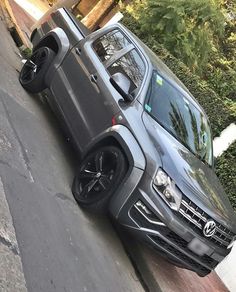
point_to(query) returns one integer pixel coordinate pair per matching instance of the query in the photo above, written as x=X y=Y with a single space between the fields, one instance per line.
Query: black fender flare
x=137 y=163
x=63 y=47
x=126 y=140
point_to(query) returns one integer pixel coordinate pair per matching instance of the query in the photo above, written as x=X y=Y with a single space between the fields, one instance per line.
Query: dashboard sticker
x=148 y=108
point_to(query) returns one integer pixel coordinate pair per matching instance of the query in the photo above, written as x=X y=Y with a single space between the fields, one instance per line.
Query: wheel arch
x=48 y=41
x=58 y=41
x=121 y=137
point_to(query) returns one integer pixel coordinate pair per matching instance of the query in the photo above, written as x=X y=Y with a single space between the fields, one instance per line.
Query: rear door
x=89 y=101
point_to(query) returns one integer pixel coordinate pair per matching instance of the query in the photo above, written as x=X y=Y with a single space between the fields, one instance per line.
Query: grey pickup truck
x=144 y=141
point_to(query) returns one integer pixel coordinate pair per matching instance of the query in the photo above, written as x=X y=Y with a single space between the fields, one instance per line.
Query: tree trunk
x=100 y=10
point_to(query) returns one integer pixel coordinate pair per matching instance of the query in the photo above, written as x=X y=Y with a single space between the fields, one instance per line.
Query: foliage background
x=197 y=41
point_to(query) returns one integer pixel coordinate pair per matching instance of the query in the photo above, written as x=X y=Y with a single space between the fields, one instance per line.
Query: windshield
x=179 y=117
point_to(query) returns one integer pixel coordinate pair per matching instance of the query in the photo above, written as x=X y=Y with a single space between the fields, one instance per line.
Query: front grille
x=173 y=237
x=197 y=218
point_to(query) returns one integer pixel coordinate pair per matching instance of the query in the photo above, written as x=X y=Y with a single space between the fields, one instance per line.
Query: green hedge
x=226 y=171
x=218 y=110
x=221 y=78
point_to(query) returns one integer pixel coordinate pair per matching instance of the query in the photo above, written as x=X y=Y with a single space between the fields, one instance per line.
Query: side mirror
x=122 y=85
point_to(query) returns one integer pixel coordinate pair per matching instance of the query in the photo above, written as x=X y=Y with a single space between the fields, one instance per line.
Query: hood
x=196 y=180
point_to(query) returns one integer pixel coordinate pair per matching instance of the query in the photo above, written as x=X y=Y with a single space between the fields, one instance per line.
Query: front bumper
x=165 y=231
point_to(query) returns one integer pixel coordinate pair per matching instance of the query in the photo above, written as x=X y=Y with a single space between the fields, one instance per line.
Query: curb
x=139 y=256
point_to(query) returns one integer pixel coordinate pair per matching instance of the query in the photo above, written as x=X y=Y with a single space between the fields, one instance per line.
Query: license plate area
x=198 y=247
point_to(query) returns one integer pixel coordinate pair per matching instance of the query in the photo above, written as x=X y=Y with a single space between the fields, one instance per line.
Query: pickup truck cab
x=145 y=142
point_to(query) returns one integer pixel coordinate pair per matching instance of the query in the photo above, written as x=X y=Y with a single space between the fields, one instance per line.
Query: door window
x=132 y=66
x=110 y=43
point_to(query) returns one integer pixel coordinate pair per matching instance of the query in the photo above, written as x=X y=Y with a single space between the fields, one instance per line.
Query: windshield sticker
x=148 y=108
x=159 y=80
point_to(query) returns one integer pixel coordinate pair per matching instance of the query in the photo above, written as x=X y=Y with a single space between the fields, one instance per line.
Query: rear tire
x=98 y=177
x=32 y=75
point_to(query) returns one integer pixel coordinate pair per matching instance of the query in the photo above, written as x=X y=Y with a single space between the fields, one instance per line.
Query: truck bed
x=63 y=19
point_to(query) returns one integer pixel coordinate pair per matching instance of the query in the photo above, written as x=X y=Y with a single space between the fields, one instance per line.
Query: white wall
x=226 y=270
x=227 y=137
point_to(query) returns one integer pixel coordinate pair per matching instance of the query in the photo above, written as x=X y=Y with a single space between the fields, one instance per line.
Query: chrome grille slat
x=196 y=216
x=220 y=240
x=191 y=219
x=224 y=233
x=193 y=211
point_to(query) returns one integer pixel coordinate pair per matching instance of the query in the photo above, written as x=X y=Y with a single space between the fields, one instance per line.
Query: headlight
x=161 y=179
x=166 y=187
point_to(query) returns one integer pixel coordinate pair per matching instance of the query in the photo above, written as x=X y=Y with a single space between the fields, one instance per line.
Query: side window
x=109 y=44
x=133 y=67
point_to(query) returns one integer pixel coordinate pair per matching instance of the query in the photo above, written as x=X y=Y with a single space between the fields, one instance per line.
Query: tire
x=204 y=274
x=98 y=177
x=32 y=75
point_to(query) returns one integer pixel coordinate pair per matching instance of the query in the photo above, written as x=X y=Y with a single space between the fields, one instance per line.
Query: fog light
x=140 y=205
x=147 y=214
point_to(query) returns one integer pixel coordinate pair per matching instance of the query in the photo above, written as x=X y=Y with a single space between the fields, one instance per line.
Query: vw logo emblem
x=209 y=228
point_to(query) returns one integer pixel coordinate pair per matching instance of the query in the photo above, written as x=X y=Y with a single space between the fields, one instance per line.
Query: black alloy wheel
x=98 y=177
x=32 y=75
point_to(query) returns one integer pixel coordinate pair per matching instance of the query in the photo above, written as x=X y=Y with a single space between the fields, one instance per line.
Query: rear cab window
x=118 y=54
x=110 y=43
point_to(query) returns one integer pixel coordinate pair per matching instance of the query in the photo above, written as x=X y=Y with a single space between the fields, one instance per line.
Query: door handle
x=93 y=78
x=78 y=51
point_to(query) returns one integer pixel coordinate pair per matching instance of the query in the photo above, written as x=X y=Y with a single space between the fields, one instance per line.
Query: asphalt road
x=62 y=248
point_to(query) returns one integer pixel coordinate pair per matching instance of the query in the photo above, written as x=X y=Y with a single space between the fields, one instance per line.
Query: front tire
x=32 y=75
x=98 y=177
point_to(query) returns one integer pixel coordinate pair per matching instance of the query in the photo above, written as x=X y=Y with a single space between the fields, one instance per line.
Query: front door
x=88 y=100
